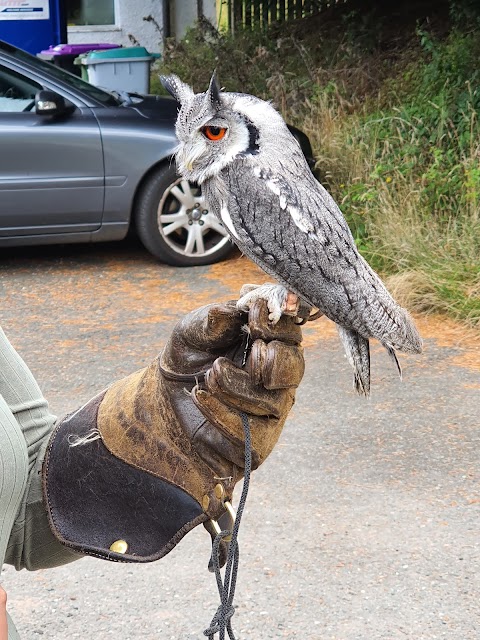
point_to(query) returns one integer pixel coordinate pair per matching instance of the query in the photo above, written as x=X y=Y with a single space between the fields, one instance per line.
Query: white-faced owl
x=257 y=181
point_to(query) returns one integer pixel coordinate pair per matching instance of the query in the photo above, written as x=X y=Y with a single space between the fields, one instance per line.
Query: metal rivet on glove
x=119 y=546
x=219 y=491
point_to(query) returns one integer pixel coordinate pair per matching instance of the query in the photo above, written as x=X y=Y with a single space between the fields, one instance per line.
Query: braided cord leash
x=221 y=621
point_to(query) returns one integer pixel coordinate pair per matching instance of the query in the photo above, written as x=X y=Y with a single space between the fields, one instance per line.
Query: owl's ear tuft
x=213 y=93
x=176 y=88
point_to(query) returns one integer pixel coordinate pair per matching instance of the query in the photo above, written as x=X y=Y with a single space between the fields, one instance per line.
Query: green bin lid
x=121 y=52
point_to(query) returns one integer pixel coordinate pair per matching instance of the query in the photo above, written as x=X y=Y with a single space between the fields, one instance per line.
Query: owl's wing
x=291 y=226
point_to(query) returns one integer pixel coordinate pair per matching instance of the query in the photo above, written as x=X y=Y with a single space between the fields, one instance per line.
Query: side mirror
x=49 y=103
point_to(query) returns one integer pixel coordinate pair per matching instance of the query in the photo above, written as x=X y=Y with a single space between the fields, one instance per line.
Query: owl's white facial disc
x=212 y=144
x=235 y=122
x=210 y=131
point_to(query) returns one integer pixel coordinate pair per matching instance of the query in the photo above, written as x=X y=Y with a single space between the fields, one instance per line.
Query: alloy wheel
x=186 y=222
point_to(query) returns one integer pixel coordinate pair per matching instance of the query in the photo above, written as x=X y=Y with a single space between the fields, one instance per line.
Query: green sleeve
x=25 y=426
x=32 y=545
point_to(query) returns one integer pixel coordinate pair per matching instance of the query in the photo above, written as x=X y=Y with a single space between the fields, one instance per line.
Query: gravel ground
x=362 y=525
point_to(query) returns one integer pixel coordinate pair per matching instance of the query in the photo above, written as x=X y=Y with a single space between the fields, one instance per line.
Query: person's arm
x=26 y=424
x=152 y=453
x=3 y=615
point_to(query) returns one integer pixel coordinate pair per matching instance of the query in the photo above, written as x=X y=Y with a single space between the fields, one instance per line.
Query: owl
x=257 y=181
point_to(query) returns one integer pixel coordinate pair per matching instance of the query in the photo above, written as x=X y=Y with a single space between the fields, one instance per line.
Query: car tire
x=175 y=224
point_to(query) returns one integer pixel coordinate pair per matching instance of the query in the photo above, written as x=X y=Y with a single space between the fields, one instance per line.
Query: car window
x=104 y=97
x=17 y=93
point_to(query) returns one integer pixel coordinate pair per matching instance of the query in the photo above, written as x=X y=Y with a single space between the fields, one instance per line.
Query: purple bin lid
x=77 y=49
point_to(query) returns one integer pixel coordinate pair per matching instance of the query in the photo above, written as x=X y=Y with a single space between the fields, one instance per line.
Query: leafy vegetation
x=393 y=113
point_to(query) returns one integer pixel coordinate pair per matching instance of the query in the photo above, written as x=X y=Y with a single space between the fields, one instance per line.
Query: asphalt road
x=364 y=523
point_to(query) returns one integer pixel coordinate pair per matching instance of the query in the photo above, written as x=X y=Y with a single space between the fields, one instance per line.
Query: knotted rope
x=221 y=621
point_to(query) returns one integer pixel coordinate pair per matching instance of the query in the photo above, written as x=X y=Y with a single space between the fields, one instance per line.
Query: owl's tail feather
x=379 y=315
x=357 y=350
x=393 y=357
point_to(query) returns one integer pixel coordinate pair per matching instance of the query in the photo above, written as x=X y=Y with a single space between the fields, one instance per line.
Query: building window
x=90 y=12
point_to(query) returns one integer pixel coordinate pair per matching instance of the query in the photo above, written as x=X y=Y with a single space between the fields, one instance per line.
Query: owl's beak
x=184 y=160
x=189 y=160
x=188 y=156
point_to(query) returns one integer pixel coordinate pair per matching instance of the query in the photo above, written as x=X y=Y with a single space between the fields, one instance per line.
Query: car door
x=51 y=168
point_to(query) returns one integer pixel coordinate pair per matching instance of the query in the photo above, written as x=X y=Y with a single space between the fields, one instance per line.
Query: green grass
x=395 y=129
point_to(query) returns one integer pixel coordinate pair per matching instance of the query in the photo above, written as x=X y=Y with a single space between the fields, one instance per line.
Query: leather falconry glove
x=127 y=475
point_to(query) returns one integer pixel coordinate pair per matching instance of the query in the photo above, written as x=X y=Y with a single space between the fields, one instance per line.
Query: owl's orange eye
x=214 y=133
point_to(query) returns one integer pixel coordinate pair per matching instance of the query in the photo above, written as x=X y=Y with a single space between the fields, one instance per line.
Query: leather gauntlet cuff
x=94 y=499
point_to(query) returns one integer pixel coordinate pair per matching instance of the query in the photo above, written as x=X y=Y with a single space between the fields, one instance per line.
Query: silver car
x=80 y=164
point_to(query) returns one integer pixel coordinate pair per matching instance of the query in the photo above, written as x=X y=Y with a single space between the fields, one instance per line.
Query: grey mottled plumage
x=256 y=179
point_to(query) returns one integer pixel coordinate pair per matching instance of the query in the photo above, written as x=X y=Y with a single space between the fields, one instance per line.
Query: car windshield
x=100 y=95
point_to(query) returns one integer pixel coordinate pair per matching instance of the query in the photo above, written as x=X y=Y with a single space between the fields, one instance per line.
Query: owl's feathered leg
x=278 y=298
x=357 y=349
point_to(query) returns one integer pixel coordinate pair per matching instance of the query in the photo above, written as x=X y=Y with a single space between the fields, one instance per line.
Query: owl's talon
x=279 y=300
x=274 y=317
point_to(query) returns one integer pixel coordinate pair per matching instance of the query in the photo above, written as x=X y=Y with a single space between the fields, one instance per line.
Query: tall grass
x=406 y=172
x=397 y=140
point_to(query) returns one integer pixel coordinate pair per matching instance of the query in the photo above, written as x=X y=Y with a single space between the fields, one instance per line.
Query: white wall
x=129 y=16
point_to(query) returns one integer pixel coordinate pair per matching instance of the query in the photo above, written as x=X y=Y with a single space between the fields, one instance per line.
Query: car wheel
x=175 y=223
